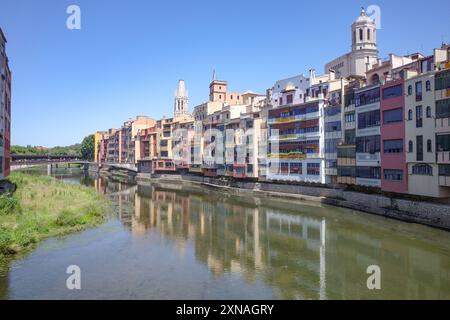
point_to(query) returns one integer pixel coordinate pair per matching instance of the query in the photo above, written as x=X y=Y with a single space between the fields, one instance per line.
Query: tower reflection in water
x=301 y=250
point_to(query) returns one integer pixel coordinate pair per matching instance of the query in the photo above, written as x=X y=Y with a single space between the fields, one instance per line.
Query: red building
x=394 y=170
x=5 y=110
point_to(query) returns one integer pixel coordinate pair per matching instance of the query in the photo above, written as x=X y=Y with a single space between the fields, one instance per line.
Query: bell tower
x=181 y=105
x=364 y=33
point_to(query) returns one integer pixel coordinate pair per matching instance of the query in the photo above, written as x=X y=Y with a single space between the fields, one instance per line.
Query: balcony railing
x=443 y=157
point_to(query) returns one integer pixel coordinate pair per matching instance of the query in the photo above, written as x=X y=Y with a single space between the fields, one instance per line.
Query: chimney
x=332 y=74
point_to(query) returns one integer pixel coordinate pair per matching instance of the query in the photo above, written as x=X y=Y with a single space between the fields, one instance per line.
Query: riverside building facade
x=381 y=124
x=5 y=110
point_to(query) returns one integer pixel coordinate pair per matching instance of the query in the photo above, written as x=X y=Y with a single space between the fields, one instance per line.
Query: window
x=419 y=151
x=428 y=112
x=368 y=34
x=369 y=119
x=333 y=126
x=393 y=92
x=393 y=174
x=284 y=167
x=429 y=146
x=442 y=80
x=422 y=169
x=331 y=145
x=369 y=144
x=443 y=142
x=443 y=108
x=368 y=172
x=428 y=85
x=409 y=90
x=281 y=101
x=419 y=117
x=350 y=117
x=410 y=146
x=419 y=91
x=296 y=168
x=350 y=136
x=390 y=116
x=346 y=171
x=360 y=34
x=367 y=97
x=289 y=98
x=393 y=146
x=313 y=169
x=410 y=115
x=444 y=170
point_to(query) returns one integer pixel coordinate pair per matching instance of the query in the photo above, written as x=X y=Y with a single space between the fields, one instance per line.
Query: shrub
x=8 y=204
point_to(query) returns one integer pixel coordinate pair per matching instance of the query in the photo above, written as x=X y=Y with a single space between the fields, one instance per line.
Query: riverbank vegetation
x=74 y=150
x=44 y=207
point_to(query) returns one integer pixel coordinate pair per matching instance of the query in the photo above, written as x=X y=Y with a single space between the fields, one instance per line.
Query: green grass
x=44 y=207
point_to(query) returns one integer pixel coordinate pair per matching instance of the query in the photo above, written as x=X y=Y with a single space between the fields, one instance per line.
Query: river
x=174 y=241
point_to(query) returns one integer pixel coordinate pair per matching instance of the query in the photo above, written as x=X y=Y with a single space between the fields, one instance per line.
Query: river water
x=174 y=241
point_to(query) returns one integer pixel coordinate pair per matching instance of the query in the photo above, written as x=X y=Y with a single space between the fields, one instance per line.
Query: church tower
x=364 y=33
x=364 y=52
x=181 y=106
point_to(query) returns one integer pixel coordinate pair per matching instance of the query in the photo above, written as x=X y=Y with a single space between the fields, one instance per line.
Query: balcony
x=368 y=182
x=307 y=116
x=444 y=181
x=287 y=156
x=295 y=136
x=443 y=157
x=442 y=125
x=350 y=125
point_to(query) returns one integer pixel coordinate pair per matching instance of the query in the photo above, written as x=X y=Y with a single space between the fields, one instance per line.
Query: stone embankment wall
x=427 y=213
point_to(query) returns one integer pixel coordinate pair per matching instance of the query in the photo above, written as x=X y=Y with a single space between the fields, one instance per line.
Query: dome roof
x=363 y=18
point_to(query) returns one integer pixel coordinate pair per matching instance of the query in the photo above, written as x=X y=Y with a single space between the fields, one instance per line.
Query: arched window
x=375 y=79
x=410 y=146
x=428 y=112
x=409 y=90
x=428 y=85
x=429 y=147
x=410 y=115
x=360 y=34
x=368 y=34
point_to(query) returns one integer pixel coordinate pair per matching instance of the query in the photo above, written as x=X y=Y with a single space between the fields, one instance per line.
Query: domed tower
x=364 y=33
x=364 y=53
x=181 y=106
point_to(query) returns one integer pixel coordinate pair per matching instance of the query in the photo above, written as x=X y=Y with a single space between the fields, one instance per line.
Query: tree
x=87 y=148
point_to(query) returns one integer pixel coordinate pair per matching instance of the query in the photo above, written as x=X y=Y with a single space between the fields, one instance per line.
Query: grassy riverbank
x=44 y=207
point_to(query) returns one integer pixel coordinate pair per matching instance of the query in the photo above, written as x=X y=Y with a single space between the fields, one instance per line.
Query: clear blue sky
x=128 y=56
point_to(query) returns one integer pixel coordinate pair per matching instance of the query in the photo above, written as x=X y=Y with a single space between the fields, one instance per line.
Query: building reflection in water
x=303 y=251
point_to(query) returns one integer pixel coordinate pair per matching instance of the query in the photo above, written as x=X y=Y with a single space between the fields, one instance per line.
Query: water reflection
x=184 y=241
x=301 y=250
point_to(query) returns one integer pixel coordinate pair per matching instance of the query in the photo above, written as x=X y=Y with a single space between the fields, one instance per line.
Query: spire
x=214 y=75
x=181 y=104
x=181 y=90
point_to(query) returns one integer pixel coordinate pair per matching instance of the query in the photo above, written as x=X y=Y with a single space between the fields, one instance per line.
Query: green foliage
x=74 y=150
x=87 y=148
x=8 y=204
x=43 y=207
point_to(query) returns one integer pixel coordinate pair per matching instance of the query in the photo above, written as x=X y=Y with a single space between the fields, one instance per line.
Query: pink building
x=394 y=172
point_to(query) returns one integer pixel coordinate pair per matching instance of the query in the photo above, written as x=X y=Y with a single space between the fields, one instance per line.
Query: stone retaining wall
x=431 y=214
